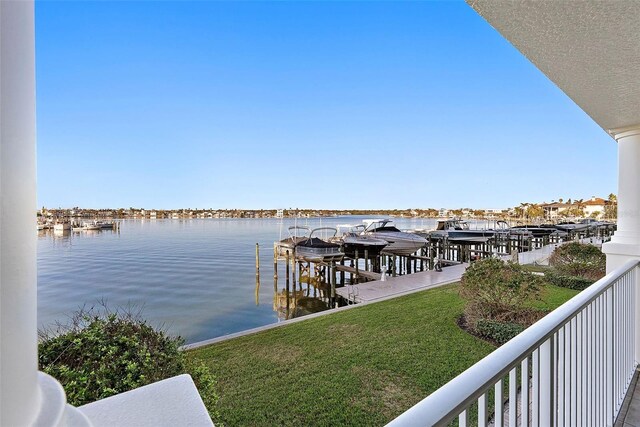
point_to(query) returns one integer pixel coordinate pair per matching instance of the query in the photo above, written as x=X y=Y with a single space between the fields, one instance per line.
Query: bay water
x=194 y=277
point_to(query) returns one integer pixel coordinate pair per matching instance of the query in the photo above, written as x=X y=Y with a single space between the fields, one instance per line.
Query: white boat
x=458 y=230
x=570 y=226
x=86 y=226
x=400 y=242
x=62 y=226
x=105 y=224
x=354 y=242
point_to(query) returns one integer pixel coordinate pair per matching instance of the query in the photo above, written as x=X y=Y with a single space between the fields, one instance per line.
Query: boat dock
x=399 y=285
x=369 y=275
x=395 y=286
x=359 y=279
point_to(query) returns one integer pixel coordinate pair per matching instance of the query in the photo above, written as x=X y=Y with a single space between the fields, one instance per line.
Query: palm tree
x=611 y=207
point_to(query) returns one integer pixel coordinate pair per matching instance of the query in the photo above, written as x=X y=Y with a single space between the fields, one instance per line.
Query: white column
x=19 y=390
x=625 y=244
x=27 y=397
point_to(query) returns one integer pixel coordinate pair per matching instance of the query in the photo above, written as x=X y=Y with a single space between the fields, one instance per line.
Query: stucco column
x=19 y=390
x=625 y=243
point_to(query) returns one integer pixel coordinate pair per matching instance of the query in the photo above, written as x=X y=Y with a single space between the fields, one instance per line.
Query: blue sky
x=279 y=104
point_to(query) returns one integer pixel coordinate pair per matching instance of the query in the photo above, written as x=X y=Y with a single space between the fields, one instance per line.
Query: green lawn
x=358 y=367
x=534 y=268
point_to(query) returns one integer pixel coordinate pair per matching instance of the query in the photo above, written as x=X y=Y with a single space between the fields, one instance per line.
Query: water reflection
x=195 y=277
x=296 y=303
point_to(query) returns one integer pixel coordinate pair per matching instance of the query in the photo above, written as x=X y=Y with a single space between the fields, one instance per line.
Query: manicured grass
x=554 y=297
x=534 y=268
x=358 y=367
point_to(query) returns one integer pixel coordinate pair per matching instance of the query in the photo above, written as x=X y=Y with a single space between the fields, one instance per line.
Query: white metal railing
x=573 y=367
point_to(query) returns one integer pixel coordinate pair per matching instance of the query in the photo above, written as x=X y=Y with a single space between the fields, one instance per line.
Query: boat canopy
x=379 y=225
x=323 y=230
x=350 y=229
x=299 y=231
x=452 y=224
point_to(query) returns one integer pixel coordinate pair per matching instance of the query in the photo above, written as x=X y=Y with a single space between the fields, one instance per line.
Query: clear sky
x=318 y=104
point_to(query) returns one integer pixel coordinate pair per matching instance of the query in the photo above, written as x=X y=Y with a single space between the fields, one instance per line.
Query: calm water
x=195 y=277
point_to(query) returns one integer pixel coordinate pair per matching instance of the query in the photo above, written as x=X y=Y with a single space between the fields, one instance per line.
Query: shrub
x=500 y=332
x=495 y=290
x=578 y=259
x=572 y=282
x=102 y=353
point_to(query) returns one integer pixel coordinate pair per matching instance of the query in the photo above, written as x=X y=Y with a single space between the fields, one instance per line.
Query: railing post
x=635 y=326
x=609 y=349
x=635 y=306
x=547 y=383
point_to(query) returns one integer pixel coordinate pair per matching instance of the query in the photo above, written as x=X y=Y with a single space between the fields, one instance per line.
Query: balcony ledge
x=171 y=402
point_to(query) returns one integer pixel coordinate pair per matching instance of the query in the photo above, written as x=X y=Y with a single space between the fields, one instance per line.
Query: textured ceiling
x=590 y=49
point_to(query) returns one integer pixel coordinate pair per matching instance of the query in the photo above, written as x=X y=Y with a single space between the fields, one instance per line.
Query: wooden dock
x=369 y=275
x=395 y=286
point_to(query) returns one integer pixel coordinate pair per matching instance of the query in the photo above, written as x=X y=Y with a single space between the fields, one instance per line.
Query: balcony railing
x=573 y=367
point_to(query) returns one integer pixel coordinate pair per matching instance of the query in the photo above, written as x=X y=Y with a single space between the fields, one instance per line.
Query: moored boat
x=297 y=233
x=457 y=230
x=85 y=226
x=62 y=226
x=537 y=230
x=570 y=226
x=105 y=225
x=315 y=249
x=364 y=245
x=400 y=242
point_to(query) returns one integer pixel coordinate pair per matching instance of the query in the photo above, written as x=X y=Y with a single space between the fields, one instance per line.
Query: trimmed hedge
x=500 y=332
x=578 y=259
x=498 y=290
x=571 y=282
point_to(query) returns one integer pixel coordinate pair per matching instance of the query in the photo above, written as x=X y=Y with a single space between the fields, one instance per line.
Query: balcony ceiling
x=589 y=49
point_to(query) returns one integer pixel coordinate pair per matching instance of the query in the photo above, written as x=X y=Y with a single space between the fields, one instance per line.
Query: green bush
x=500 y=332
x=580 y=260
x=102 y=353
x=496 y=290
x=572 y=282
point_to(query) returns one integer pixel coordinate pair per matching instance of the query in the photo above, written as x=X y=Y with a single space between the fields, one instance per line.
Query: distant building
x=492 y=213
x=594 y=207
x=553 y=210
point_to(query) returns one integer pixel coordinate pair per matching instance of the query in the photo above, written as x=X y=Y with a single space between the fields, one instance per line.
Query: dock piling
x=287 y=282
x=257 y=261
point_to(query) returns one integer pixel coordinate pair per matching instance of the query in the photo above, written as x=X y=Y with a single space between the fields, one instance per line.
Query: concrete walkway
x=395 y=286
